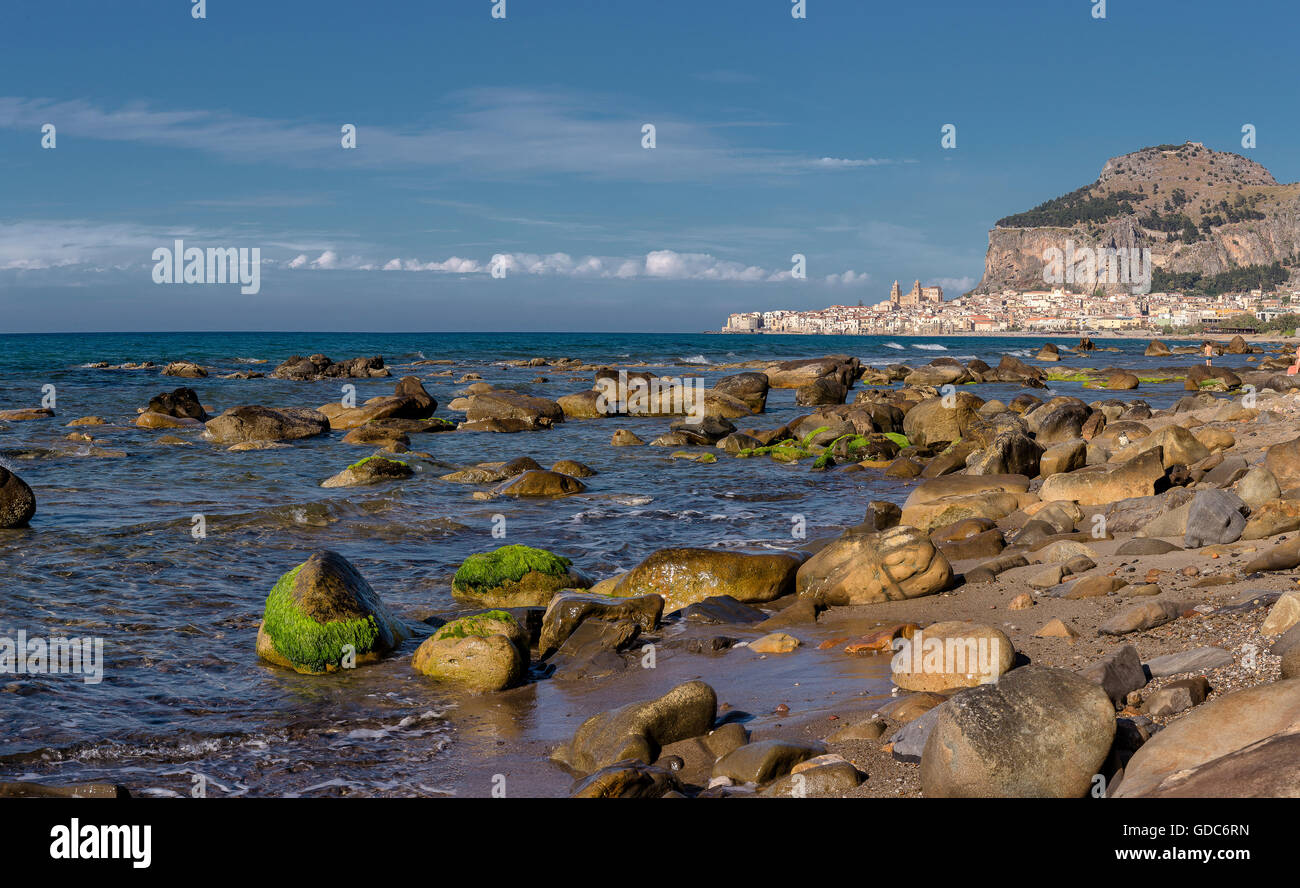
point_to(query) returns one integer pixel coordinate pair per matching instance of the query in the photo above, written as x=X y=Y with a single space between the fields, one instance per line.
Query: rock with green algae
x=515 y=576
x=323 y=615
x=371 y=470
x=483 y=652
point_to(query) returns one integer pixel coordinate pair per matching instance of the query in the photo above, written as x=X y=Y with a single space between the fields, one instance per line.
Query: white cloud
x=848 y=278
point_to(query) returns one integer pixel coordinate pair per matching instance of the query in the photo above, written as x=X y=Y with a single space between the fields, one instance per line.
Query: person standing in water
x=1208 y=351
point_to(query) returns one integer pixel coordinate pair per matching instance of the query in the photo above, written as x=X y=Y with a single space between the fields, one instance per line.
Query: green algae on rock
x=515 y=576
x=322 y=612
x=371 y=470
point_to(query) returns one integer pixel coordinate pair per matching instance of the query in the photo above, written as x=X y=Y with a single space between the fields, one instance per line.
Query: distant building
x=916 y=297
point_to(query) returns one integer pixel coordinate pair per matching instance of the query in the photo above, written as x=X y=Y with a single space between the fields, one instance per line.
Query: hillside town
x=924 y=311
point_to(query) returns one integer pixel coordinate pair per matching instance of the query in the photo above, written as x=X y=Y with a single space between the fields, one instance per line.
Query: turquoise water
x=110 y=554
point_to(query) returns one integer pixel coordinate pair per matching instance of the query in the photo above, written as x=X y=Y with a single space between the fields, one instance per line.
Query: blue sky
x=522 y=138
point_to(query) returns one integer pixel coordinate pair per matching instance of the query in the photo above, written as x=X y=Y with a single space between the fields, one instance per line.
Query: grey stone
x=1119 y=673
x=1196 y=660
x=1216 y=517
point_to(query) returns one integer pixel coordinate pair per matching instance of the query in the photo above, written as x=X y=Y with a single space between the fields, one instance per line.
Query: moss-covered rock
x=483 y=652
x=515 y=576
x=371 y=470
x=321 y=610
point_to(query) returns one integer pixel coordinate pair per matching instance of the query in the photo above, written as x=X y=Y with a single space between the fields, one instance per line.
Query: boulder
x=1100 y=485
x=1138 y=617
x=568 y=610
x=17 y=502
x=514 y=576
x=684 y=576
x=483 y=652
x=322 y=613
x=1272 y=518
x=181 y=403
x=1215 y=518
x=542 y=483
x=1209 y=738
x=255 y=423
x=1283 y=460
x=638 y=731
x=371 y=470
x=1039 y=732
x=1010 y=453
x=1119 y=673
x=185 y=369
x=500 y=410
x=765 y=760
x=933 y=420
x=866 y=567
x=299 y=368
x=750 y=387
x=951 y=654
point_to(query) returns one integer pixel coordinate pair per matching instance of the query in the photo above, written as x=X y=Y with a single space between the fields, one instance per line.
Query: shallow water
x=110 y=555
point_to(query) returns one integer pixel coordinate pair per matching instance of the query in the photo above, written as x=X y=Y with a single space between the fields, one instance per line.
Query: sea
x=184 y=707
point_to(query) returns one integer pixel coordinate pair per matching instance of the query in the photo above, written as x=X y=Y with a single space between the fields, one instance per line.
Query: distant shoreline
x=1019 y=334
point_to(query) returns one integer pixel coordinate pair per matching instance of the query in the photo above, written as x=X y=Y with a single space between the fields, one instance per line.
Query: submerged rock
x=371 y=470
x=17 y=502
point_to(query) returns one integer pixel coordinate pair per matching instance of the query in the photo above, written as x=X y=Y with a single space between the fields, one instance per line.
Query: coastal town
x=924 y=311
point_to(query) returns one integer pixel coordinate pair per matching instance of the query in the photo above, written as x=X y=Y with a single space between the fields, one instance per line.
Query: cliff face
x=1197 y=210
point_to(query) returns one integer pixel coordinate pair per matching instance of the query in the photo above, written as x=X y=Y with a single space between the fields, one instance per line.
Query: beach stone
x=931 y=421
x=765 y=760
x=1048 y=577
x=1283 y=461
x=1010 y=453
x=775 y=643
x=1257 y=487
x=638 y=730
x=149 y=420
x=25 y=414
x=750 y=387
x=952 y=654
x=255 y=423
x=1215 y=518
x=1119 y=673
x=908 y=742
x=1097 y=586
x=583 y=405
x=1147 y=546
x=863 y=567
x=829 y=779
x=983 y=545
x=481 y=653
x=684 y=576
x=1272 y=518
x=1101 y=485
x=1284 y=614
x=541 y=483
x=1285 y=556
x=1138 y=617
x=1199 y=659
x=867 y=729
x=1064 y=457
x=1177 y=446
x=988 y=571
x=1038 y=732
x=515 y=576
x=568 y=610
x=317 y=610
x=1177 y=696
x=17 y=502
x=627 y=780
x=371 y=470
x=299 y=368
x=1291 y=664
x=513 y=407
x=722 y=609
x=1231 y=725
x=1056 y=628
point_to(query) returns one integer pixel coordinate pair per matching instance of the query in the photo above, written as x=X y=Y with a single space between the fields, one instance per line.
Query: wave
x=695 y=359
x=894 y=345
x=931 y=346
